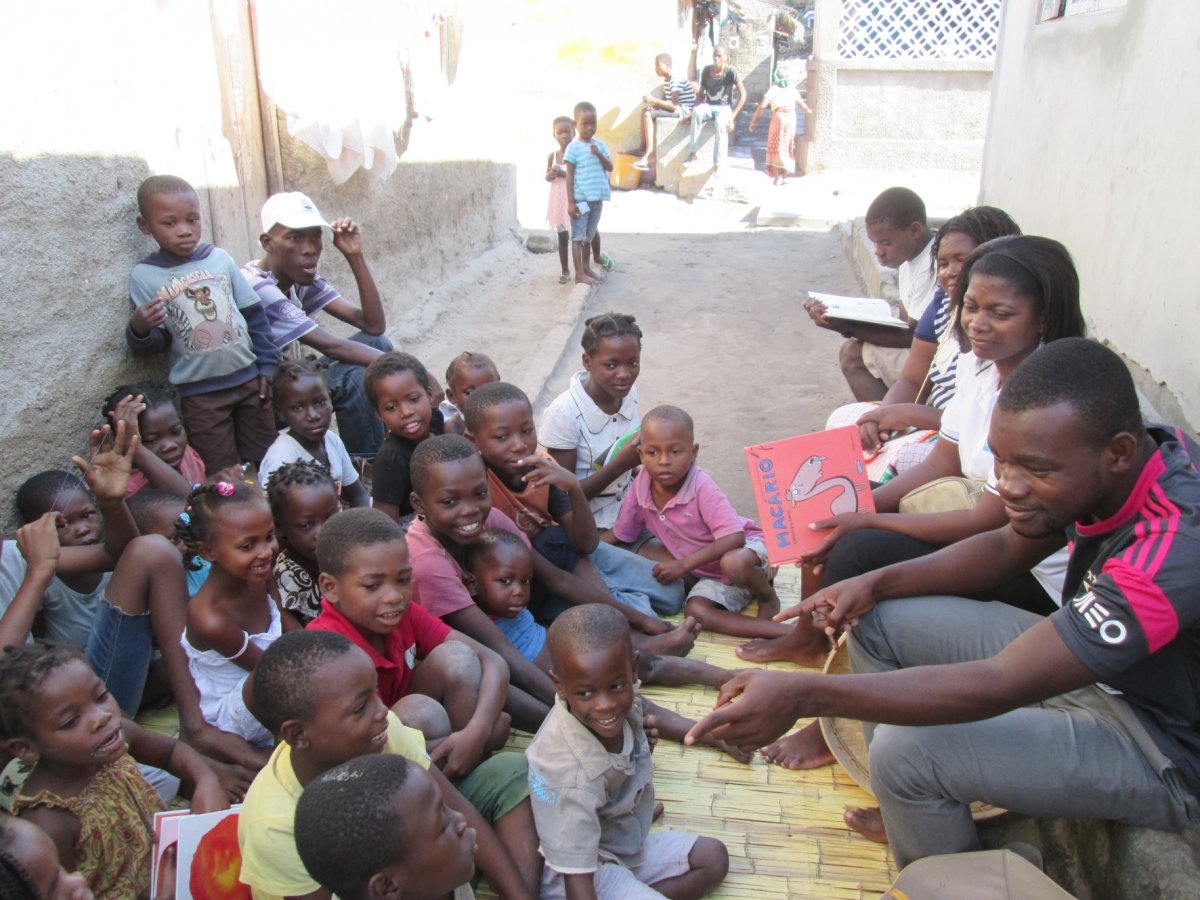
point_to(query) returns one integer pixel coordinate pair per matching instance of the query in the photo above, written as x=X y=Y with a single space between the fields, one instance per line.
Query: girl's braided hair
x=196 y=522
x=22 y=670
x=304 y=473
x=608 y=325
x=292 y=370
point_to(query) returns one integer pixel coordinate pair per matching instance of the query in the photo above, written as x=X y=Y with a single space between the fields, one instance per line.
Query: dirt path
x=725 y=335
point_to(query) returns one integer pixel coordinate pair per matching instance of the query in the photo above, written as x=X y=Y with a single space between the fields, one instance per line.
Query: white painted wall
x=1092 y=140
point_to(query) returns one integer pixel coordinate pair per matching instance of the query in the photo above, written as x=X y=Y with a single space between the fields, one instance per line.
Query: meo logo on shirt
x=1099 y=617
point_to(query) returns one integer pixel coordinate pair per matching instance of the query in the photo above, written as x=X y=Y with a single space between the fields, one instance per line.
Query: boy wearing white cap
x=292 y=291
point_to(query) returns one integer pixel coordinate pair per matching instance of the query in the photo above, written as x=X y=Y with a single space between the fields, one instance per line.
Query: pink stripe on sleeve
x=1154 y=612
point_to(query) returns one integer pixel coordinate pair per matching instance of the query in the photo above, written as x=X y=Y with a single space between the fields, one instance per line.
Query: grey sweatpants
x=1080 y=755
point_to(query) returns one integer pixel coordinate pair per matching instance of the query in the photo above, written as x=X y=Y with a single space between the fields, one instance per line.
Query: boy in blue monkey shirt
x=190 y=298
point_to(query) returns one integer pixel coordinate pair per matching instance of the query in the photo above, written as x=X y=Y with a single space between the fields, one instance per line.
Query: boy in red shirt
x=366 y=581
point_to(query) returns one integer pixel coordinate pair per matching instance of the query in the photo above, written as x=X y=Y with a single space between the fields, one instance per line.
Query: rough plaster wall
x=1092 y=141
x=420 y=227
x=896 y=118
x=64 y=302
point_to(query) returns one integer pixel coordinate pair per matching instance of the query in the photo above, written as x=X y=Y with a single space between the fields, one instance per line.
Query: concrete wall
x=893 y=114
x=105 y=114
x=97 y=97
x=1090 y=141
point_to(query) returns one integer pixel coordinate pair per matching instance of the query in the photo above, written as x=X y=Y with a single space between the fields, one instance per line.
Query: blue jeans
x=118 y=651
x=721 y=116
x=359 y=428
x=631 y=580
x=585 y=227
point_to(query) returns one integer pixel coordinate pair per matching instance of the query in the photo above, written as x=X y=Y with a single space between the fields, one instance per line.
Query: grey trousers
x=1082 y=755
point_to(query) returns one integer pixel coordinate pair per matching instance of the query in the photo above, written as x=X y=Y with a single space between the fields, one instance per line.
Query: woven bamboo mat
x=784 y=829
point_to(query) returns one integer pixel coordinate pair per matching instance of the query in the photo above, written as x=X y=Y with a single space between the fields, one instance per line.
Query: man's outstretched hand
x=754 y=708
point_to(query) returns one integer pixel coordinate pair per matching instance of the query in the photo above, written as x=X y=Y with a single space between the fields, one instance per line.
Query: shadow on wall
x=420 y=226
x=70 y=238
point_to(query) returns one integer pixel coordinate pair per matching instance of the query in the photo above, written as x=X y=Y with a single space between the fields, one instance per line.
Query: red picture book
x=802 y=480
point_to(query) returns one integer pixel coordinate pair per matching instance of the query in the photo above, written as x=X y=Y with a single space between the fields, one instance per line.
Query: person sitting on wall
x=678 y=98
x=1092 y=712
x=292 y=290
x=873 y=356
x=718 y=83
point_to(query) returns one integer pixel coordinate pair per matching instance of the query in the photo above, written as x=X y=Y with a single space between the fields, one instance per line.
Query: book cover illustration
x=208 y=860
x=802 y=480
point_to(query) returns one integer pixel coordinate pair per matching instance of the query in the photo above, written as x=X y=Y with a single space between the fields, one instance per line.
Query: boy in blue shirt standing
x=588 y=164
x=190 y=298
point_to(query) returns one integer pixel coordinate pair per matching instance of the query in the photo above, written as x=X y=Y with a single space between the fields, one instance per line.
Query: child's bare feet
x=676 y=642
x=867 y=821
x=584 y=278
x=803 y=645
x=234 y=779
x=768 y=607
x=805 y=749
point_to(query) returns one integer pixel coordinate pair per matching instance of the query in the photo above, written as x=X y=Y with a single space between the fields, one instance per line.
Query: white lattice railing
x=919 y=29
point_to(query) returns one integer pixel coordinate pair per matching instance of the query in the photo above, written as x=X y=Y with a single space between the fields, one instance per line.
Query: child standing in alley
x=557 y=213
x=191 y=299
x=588 y=163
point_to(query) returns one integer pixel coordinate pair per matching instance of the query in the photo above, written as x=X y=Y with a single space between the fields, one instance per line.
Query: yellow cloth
x=116 y=828
x=266 y=832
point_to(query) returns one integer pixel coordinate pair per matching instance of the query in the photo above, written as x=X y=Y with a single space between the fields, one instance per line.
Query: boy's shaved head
x=349 y=825
x=433 y=451
x=487 y=396
x=672 y=414
x=349 y=530
x=157 y=185
x=287 y=679
x=586 y=629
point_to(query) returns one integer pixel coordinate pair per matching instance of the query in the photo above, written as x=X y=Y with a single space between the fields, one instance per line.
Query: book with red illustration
x=208 y=860
x=801 y=480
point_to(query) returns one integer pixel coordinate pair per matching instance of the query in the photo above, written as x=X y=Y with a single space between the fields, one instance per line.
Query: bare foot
x=806 y=749
x=867 y=821
x=768 y=607
x=591 y=273
x=234 y=779
x=586 y=279
x=804 y=646
x=677 y=641
x=740 y=755
x=659 y=809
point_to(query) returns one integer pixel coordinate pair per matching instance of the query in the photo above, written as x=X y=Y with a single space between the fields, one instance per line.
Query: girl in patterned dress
x=86 y=791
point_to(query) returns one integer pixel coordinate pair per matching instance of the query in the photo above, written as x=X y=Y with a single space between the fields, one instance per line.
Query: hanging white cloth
x=337 y=71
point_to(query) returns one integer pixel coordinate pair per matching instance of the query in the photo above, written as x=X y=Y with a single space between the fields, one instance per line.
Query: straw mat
x=784 y=829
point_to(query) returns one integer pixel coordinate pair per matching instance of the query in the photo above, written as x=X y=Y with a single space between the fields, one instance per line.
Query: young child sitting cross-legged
x=424 y=848
x=703 y=536
x=317 y=691
x=367 y=582
x=592 y=778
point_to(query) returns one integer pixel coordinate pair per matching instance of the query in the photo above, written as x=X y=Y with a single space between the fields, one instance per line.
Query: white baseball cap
x=292 y=210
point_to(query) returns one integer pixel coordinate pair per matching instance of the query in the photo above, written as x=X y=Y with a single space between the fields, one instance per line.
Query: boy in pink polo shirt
x=719 y=554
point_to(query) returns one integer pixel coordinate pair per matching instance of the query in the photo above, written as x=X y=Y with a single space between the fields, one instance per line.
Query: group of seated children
x=303 y=622
x=222 y=548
